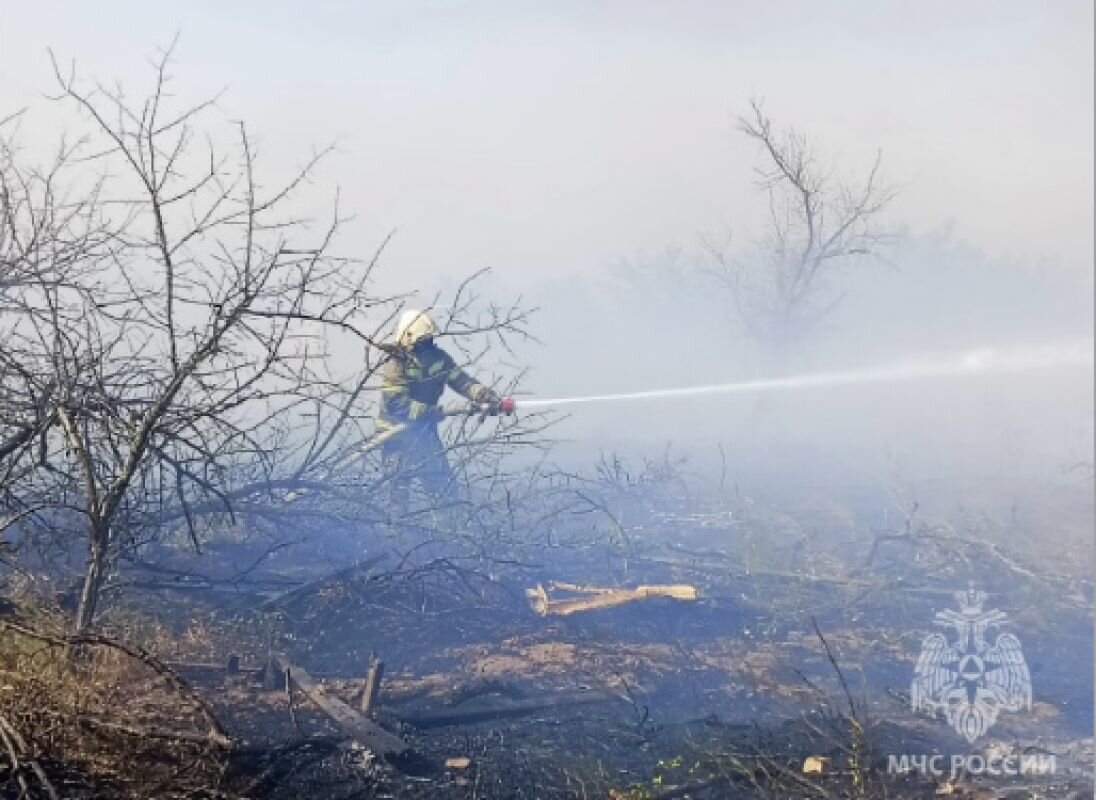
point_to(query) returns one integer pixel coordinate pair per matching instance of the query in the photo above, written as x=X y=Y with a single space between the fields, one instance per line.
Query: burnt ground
x=802 y=652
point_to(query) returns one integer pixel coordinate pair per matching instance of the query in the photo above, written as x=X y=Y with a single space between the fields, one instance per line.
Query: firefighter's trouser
x=417 y=454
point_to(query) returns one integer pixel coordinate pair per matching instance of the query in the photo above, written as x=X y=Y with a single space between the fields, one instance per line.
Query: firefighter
x=414 y=379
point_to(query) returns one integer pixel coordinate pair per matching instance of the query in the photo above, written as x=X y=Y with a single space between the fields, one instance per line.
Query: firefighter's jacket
x=413 y=382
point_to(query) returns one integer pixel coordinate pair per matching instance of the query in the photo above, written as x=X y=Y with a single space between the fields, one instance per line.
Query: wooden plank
x=595 y=597
x=364 y=731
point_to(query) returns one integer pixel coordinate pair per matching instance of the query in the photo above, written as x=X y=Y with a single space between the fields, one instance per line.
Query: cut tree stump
x=597 y=597
x=359 y=728
x=372 y=684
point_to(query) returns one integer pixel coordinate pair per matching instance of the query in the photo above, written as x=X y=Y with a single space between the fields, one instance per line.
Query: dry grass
x=92 y=715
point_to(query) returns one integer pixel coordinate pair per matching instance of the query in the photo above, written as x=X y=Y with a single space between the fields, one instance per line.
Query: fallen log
x=337 y=576
x=597 y=597
x=474 y=712
x=206 y=669
x=355 y=725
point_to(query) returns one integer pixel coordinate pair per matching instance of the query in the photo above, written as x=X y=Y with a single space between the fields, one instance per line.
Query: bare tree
x=182 y=351
x=50 y=243
x=169 y=356
x=817 y=224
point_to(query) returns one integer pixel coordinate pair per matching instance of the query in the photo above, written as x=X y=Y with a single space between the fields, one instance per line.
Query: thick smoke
x=668 y=324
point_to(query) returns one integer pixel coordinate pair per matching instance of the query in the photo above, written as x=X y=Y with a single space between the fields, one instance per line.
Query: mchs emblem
x=966 y=676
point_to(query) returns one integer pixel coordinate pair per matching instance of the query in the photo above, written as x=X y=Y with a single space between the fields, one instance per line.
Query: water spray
x=983 y=361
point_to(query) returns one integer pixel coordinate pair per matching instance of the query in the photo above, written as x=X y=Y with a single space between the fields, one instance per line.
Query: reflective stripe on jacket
x=412 y=383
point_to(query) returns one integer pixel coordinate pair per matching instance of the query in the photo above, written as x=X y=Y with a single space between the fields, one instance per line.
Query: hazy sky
x=553 y=137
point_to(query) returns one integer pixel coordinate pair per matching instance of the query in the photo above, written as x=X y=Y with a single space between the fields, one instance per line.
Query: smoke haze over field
x=754 y=389
x=660 y=329
x=582 y=151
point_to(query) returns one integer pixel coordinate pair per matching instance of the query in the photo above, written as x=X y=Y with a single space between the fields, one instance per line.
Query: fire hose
x=505 y=406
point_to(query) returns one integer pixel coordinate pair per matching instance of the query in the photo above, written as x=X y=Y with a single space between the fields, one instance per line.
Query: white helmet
x=415 y=326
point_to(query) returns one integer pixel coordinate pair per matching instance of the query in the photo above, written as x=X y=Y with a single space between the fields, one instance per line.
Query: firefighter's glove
x=489 y=401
